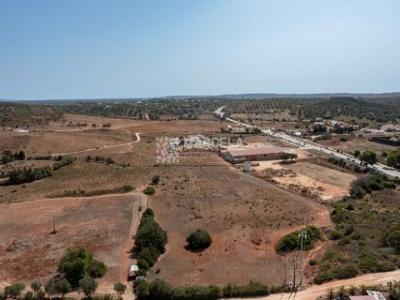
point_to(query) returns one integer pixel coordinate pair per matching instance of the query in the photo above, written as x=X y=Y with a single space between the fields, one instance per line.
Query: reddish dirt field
x=101 y=224
x=245 y=216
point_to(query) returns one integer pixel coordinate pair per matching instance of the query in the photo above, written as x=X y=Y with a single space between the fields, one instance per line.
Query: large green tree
x=78 y=262
x=199 y=240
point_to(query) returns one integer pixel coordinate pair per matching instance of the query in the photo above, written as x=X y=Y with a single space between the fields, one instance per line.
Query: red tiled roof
x=256 y=151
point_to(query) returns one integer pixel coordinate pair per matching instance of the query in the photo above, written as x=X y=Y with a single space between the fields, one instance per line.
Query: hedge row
x=28 y=175
x=150 y=241
x=160 y=290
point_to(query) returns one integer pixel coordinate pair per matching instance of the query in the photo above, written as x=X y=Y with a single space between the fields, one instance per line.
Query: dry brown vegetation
x=29 y=251
x=245 y=215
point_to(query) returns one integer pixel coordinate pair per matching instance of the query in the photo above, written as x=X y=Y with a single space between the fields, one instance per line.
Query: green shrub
x=333 y=256
x=323 y=276
x=97 y=269
x=348 y=229
x=368 y=156
x=14 y=290
x=292 y=241
x=158 y=289
x=393 y=159
x=155 y=180
x=87 y=285
x=62 y=162
x=252 y=289
x=28 y=175
x=393 y=240
x=347 y=271
x=149 y=190
x=369 y=183
x=198 y=240
x=340 y=215
x=312 y=262
x=142 y=290
x=62 y=286
x=335 y=235
x=344 y=241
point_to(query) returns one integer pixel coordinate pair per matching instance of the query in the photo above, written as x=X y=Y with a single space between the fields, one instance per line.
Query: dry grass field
x=80 y=175
x=101 y=224
x=307 y=178
x=245 y=216
x=360 y=144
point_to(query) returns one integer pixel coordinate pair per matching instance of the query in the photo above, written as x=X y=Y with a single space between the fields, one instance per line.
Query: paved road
x=306 y=144
x=316 y=291
x=219 y=111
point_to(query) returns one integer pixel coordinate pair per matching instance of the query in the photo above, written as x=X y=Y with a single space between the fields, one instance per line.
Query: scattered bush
x=198 y=240
x=393 y=159
x=13 y=291
x=369 y=183
x=63 y=161
x=368 y=156
x=100 y=159
x=149 y=190
x=8 y=156
x=312 y=262
x=120 y=289
x=82 y=193
x=346 y=271
x=28 y=175
x=393 y=240
x=155 y=180
x=335 y=235
x=88 y=285
x=62 y=286
x=323 y=277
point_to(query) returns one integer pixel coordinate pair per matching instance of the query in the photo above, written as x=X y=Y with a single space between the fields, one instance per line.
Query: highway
x=306 y=144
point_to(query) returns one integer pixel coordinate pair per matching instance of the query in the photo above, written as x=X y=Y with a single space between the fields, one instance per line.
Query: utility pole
x=285 y=279
x=54 y=231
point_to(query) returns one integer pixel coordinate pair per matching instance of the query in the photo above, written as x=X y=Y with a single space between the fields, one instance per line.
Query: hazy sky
x=84 y=49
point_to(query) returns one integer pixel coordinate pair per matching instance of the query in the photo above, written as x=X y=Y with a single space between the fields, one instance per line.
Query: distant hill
x=394 y=96
x=379 y=109
x=24 y=115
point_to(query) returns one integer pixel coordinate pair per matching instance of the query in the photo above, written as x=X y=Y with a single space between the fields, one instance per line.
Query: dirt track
x=106 y=286
x=317 y=291
x=137 y=134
